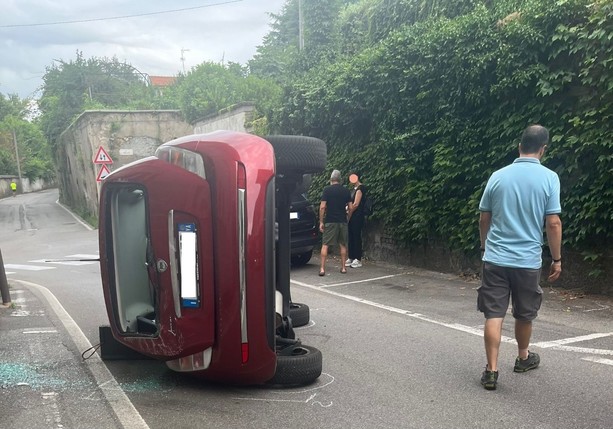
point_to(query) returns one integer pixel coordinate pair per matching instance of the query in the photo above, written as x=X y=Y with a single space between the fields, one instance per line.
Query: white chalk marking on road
x=331 y=380
x=362 y=281
x=599 y=360
x=549 y=344
x=124 y=410
x=555 y=345
x=309 y=325
x=602 y=307
x=296 y=401
x=27 y=267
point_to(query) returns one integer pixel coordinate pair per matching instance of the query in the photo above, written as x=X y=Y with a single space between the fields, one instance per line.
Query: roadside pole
x=4 y=285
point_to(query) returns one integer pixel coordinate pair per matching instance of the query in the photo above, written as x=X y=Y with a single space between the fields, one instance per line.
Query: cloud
x=152 y=43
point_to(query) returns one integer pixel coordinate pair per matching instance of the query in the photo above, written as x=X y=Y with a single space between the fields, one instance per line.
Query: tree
x=71 y=87
x=34 y=155
x=210 y=87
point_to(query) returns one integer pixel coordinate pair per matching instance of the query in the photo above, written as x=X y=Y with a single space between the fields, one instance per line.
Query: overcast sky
x=210 y=30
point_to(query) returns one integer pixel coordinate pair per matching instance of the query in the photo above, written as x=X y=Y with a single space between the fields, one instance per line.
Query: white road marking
x=84 y=256
x=27 y=267
x=42 y=331
x=599 y=360
x=66 y=262
x=70 y=260
x=584 y=350
x=78 y=219
x=555 y=345
x=362 y=281
x=548 y=344
x=124 y=410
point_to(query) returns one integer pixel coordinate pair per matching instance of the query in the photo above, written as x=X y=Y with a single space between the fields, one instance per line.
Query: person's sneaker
x=356 y=263
x=489 y=379
x=531 y=362
x=348 y=262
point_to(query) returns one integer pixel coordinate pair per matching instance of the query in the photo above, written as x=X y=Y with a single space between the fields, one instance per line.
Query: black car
x=304 y=231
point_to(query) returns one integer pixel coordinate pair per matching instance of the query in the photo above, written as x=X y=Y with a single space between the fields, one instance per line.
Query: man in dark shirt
x=335 y=202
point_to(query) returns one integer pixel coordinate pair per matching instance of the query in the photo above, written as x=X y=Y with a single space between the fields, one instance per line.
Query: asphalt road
x=402 y=348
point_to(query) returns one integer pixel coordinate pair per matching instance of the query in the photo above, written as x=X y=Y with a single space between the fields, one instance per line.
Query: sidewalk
x=44 y=382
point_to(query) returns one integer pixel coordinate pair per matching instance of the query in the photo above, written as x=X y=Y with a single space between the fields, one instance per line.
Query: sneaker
x=531 y=362
x=356 y=263
x=348 y=262
x=489 y=379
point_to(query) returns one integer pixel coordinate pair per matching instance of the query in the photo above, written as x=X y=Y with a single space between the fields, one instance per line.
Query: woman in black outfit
x=356 y=222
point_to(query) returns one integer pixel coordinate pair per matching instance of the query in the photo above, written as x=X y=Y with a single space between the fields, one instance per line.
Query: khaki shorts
x=335 y=233
x=498 y=284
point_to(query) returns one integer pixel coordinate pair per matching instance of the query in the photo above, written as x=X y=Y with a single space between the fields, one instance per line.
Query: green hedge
x=429 y=112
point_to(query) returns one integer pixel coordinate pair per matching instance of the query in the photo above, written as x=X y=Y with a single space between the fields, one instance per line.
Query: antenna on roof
x=183 y=50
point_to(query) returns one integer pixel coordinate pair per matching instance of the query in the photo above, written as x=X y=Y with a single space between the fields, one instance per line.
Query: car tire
x=301 y=259
x=302 y=367
x=300 y=314
x=299 y=154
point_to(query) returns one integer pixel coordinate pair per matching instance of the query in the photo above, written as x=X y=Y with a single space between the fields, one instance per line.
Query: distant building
x=160 y=82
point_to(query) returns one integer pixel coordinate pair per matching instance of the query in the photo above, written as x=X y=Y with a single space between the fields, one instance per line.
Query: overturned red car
x=195 y=256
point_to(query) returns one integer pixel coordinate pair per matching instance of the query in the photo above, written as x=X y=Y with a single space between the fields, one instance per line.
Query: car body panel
x=231 y=324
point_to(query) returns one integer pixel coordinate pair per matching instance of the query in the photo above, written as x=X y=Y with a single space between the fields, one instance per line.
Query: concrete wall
x=234 y=118
x=24 y=187
x=435 y=255
x=125 y=135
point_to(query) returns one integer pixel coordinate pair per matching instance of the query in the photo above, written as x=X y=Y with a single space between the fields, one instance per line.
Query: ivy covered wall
x=428 y=106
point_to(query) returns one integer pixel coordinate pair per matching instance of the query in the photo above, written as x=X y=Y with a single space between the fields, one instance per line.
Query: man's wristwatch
x=554 y=261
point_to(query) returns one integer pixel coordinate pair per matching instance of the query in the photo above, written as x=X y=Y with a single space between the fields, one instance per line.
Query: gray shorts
x=335 y=233
x=500 y=283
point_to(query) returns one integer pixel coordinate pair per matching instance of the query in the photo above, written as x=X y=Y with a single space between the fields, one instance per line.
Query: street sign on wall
x=104 y=171
x=102 y=157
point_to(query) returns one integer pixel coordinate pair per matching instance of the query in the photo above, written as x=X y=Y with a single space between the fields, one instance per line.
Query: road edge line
x=127 y=415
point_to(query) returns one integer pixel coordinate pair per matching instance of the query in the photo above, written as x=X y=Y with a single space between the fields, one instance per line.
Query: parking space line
x=27 y=267
x=584 y=350
x=555 y=345
x=599 y=360
x=455 y=326
x=548 y=344
x=362 y=281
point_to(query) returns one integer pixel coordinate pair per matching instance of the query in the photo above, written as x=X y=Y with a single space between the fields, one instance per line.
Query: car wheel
x=299 y=313
x=302 y=258
x=299 y=154
x=302 y=366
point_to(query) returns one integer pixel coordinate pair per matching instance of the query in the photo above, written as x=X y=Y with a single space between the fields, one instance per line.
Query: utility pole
x=183 y=50
x=17 y=158
x=4 y=285
x=300 y=26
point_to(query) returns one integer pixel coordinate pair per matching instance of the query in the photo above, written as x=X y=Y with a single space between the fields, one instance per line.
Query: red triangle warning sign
x=104 y=171
x=102 y=157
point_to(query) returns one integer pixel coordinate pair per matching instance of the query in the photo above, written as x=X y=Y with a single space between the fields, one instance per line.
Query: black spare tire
x=299 y=154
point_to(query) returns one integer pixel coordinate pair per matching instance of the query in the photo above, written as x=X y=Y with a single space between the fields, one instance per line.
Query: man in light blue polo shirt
x=518 y=200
